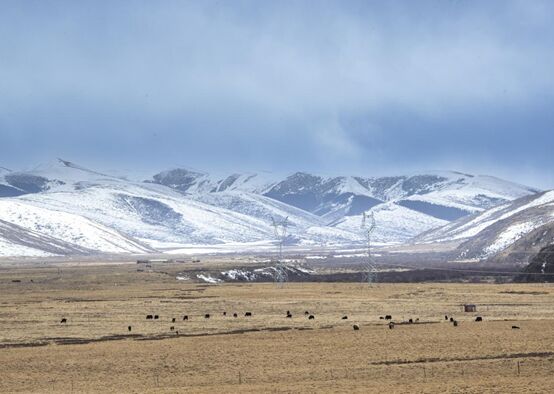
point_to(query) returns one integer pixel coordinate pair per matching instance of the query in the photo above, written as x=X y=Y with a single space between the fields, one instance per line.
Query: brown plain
x=94 y=352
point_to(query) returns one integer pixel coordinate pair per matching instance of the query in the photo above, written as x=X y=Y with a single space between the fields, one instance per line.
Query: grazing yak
x=186 y=317
x=156 y=317
x=207 y=316
x=248 y=314
x=149 y=317
x=235 y=315
x=129 y=328
x=172 y=328
x=344 y=317
x=478 y=318
x=388 y=317
x=311 y=317
x=356 y=327
x=64 y=320
x=515 y=328
x=391 y=325
x=224 y=313
x=455 y=323
x=289 y=316
x=173 y=320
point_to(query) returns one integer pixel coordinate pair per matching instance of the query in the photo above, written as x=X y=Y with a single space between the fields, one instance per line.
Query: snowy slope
x=69 y=228
x=260 y=206
x=394 y=223
x=302 y=225
x=494 y=230
x=18 y=241
x=469 y=194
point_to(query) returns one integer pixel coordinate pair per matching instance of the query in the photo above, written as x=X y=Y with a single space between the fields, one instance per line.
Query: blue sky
x=367 y=88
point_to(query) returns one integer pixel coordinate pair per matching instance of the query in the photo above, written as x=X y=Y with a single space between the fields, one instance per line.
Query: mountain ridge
x=185 y=207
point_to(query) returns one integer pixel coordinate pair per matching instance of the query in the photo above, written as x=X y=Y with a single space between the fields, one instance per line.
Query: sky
x=332 y=87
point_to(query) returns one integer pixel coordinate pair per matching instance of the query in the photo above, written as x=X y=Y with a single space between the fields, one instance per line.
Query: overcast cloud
x=331 y=87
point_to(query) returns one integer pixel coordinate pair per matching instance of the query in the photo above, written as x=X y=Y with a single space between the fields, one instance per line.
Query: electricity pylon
x=280 y=228
x=370 y=269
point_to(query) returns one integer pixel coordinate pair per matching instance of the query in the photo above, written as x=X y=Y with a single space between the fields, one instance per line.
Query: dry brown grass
x=320 y=355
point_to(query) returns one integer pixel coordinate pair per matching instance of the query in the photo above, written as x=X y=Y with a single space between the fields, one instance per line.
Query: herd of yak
x=310 y=316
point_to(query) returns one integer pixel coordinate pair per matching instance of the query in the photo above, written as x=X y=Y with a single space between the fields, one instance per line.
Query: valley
x=94 y=351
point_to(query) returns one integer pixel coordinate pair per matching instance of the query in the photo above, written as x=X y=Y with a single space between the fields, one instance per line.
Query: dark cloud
x=365 y=87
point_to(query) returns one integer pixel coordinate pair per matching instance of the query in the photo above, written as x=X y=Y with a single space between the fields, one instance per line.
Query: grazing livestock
x=207 y=316
x=186 y=317
x=306 y=313
x=411 y=321
x=172 y=328
x=64 y=320
x=515 y=328
x=355 y=327
x=224 y=313
x=451 y=319
x=248 y=314
x=388 y=317
x=173 y=320
x=235 y=315
x=289 y=316
x=381 y=317
x=445 y=317
x=391 y=325
x=344 y=317
x=156 y=317
x=478 y=318
x=311 y=317
x=149 y=317
x=455 y=323
x=129 y=328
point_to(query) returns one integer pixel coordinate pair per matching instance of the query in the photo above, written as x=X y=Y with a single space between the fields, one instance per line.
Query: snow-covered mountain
x=80 y=207
x=88 y=211
x=443 y=195
x=486 y=234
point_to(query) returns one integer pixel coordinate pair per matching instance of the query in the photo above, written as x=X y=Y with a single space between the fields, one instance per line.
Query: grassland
x=95 y=352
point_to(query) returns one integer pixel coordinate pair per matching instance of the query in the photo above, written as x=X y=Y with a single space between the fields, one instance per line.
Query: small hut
x=470 y=308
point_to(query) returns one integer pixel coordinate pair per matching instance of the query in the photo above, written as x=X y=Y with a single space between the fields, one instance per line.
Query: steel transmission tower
x=370 y=269
x=280 y=228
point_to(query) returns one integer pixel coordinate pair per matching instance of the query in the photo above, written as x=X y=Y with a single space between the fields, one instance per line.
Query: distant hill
x=497 y=232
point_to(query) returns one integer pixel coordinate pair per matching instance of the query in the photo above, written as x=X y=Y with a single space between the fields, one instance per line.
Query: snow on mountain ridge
x=183 y=206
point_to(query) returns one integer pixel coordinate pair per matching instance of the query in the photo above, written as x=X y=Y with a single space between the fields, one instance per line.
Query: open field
x=95 y=352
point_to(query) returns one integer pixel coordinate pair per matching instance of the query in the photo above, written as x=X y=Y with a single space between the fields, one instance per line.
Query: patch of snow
x=508 y=237
x=208 y=279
